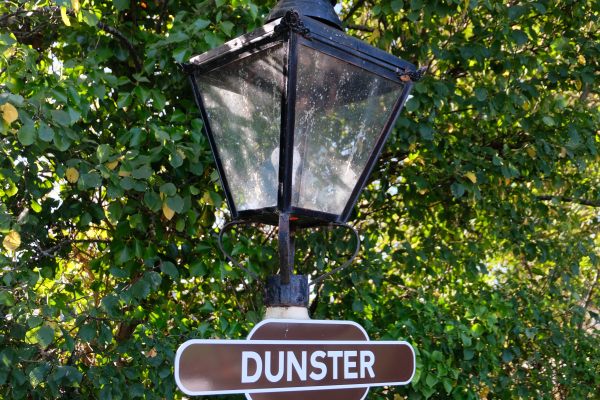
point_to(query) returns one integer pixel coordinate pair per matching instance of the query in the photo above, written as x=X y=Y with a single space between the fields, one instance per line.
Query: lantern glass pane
x=340 y=113
x=243 y=102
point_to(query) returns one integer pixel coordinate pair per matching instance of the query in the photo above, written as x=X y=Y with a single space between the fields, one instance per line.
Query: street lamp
x=296 y=114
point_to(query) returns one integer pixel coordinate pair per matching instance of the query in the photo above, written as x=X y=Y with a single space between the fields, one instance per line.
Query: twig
x=583 y=202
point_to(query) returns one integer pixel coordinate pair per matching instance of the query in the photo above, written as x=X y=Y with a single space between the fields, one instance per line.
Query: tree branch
x=119 y=35
x=355 y=7
x=8 y=20
x=356 y=27
x=584 y=202
x=588 y=297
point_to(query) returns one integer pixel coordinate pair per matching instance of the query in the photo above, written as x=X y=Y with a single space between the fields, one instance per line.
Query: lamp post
x=296 y=114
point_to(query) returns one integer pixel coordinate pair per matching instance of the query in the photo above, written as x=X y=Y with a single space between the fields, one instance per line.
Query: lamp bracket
x=292 y=22
x=292 y=294
x=411 y=76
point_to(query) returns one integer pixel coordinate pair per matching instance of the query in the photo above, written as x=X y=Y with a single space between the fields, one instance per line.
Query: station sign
x=287 y=358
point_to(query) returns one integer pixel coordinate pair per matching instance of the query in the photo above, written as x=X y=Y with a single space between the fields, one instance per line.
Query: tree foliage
x=480 y=224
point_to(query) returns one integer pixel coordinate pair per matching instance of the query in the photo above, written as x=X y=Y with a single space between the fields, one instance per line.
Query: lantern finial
x=321 y=10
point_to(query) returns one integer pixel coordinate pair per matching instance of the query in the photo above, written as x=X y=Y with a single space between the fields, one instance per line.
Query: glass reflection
x=243 y=103
x=340 y=112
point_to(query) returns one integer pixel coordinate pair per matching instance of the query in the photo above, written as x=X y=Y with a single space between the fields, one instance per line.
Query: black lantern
x=296 y=114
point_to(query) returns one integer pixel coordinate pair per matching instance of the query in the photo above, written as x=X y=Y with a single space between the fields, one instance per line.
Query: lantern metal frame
x=297 y=30
x=314 y=24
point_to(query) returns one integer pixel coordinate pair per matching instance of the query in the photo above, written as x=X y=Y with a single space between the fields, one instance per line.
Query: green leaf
x=481 y=94
x=507 y=356
x=412 y=104
x=397 y=5
x=227 y=27
x=447 y=386
x=123 y=255
x=38 y=374
x=175 y=203
x=34 y=321
x=45 y=133
x=26 y=134
x=144 y=172
x=124 y=100
x=181 y=54
x=168 y=189
x=67 y=375
x=61 y=117
x=87 y=332
x=6 y=298
x=519 y=37
x=110 y=304
x=62 y=142
x=199 y=24
x=468 y=354
x=458 y=190
x=548 y=120
x=74 y=115
x=121 y=5
x=159 y=101
x=152 y=200
x=103 y=152
x=197 y=268
x=154 y=278
x=431 y=380
x=477 y=329
x=127 y=183
x=140 y=289
x=175 y=159
x=169 y=268
x=426 y=132
x=45 y=336
x=212 y=40
x=89 y=18
x=89 y=180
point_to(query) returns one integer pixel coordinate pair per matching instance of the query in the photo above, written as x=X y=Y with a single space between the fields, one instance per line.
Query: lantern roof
x=311 y=28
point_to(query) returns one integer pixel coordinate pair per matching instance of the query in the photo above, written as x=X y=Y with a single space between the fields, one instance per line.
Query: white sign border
x=288 y=342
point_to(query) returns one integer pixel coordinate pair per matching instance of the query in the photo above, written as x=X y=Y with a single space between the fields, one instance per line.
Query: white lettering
x=318 y=365
x=367 y=365
x=335 y=355
x=299 y=367
x=268 y=372
x=246 y=356
x=349 y=364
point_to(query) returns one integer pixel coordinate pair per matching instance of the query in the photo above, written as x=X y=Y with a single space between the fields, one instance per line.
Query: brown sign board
x=281 y=329
x=205 y=367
